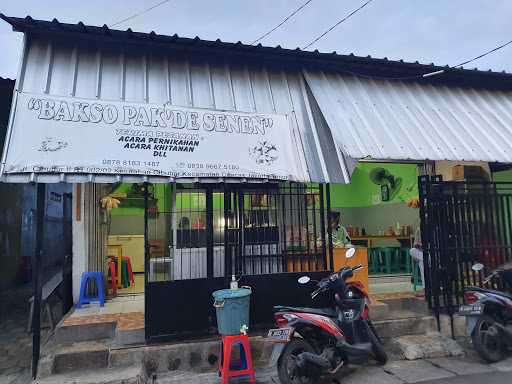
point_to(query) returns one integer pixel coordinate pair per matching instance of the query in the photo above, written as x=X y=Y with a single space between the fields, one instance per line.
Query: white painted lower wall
x=79 y=239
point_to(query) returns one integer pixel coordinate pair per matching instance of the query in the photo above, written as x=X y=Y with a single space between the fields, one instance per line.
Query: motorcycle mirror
x=304 y=280
x=477 y=267
x=350 y=253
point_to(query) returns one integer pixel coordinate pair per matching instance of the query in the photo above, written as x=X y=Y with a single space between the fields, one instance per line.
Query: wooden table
x=369 y=239
x=360 y=257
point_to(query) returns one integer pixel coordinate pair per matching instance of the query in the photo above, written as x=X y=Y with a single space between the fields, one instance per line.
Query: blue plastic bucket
x=232 y=307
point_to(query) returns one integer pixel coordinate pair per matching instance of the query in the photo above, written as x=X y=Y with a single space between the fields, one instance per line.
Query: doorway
x=264 y=234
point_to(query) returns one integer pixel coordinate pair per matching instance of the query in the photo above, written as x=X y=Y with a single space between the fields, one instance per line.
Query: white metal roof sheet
x=77 y=69
x=382 y=119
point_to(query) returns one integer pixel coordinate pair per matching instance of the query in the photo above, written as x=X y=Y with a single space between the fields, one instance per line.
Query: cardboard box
x=469 y=172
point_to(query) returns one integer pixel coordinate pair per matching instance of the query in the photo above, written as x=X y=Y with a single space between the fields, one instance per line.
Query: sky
x=438 y=31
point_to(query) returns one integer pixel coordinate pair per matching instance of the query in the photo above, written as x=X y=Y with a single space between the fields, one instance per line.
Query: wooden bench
x=48 y=288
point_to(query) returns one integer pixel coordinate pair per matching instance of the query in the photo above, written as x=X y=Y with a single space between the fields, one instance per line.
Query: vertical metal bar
x=228 y=268
x=327 y=265
x=147 y=286
x=241 y=232
x=508 y=224
x=284 y=249
x=308 y=244
x=297 y=195
x=499 y=210
x=209 y=232
x=36 y=313
x=292 y=230
x=315 y=232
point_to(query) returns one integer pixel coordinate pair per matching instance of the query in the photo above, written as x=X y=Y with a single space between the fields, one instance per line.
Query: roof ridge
x=55 y=26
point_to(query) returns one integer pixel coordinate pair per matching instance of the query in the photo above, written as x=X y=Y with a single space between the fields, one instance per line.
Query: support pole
x=146 y=262
x=36 y=320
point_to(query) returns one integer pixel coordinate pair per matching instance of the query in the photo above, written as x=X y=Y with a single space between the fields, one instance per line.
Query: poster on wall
x=71 y=135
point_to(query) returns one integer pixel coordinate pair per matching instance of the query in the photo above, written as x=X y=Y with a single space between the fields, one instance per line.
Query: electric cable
x=429 y=74
x=282 y=22
x=338 y=23
x=483 y=54
x=139 y=13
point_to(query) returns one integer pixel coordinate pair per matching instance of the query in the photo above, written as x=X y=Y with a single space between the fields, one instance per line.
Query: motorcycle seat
x=329 y=312
x=499 y=293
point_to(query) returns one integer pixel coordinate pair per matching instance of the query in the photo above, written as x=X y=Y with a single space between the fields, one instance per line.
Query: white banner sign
x=71 y=135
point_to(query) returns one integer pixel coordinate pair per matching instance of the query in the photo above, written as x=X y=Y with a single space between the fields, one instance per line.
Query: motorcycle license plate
x=468 y=310
x=279 y=335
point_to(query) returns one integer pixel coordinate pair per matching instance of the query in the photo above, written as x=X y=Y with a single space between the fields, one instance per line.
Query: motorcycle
x=489 y=315
x=311 y=342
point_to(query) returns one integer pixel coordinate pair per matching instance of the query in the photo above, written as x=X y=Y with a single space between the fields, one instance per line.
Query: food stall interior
x=379 y=213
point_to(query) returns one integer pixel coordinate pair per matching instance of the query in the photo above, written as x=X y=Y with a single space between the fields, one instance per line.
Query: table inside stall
x=369 y=239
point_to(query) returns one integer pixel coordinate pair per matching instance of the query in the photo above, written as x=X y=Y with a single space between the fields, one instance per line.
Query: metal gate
x=462 y=223
x=264 y=234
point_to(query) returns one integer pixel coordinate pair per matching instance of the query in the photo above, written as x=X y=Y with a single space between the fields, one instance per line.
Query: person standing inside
x=339 y=233
x=416 y=253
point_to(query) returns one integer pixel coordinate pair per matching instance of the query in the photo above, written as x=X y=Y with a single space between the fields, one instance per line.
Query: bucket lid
x=231 y=293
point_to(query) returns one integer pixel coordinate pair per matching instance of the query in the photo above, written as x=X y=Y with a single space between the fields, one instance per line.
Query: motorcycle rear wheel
x=286 y=367
x=486 y=340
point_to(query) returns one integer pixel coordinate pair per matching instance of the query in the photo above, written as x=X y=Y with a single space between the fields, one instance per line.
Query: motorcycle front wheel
x=287 y=369
x=486 y=340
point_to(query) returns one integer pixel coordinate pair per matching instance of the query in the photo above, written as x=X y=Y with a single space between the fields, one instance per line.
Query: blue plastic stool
x=84 y=299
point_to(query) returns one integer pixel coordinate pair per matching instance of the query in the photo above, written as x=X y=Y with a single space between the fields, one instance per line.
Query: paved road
x=487 y=378
x=451 y=370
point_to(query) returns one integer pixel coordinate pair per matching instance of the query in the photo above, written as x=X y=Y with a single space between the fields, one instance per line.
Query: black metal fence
x=264 y=234
x=462 y=223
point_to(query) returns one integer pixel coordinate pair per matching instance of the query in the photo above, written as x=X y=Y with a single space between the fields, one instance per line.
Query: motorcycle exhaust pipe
x=305 y=358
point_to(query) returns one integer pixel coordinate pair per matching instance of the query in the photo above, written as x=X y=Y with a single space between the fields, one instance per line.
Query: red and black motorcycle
x=314 y=342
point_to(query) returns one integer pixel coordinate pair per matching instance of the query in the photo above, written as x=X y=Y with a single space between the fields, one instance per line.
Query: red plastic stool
x=112 y=283
x=227 y=368
x=130 y=270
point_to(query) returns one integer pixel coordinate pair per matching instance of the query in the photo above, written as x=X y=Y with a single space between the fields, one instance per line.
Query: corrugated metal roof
x=365 y=66
x=397 y=120
x=82 y=70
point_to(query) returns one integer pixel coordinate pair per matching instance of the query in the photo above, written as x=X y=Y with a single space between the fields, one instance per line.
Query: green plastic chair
x=405 y=260
x=373 y=259
x=391 y=263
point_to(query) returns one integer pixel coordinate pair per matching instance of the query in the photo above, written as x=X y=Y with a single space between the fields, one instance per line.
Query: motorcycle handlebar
x=324 y=283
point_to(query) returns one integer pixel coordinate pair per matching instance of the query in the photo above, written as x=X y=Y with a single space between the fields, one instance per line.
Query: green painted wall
x=363 y=192
x=502 y=176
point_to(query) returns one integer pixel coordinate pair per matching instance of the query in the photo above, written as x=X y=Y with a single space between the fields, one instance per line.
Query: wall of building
x=360 y=202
